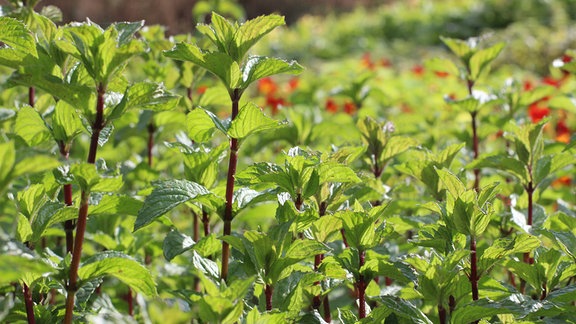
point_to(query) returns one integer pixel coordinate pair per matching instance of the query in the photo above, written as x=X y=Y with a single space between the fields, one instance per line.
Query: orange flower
x=528 y=85
x=441 y=74
x=201 y=89
x=267 y=86
x=349 y=108
x=562 y=132
x=367 y=61
x=563 y=181
x=331 y=106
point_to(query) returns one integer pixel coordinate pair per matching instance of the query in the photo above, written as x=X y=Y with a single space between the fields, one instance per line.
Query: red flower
x=331 y=106
x=418 y=70
x=567 y=58
x=349 y=108
x=562 y=132
x=367 y=61
x=552 y=82
x=441 y=74
x=275 y=103
x=201 y=89
x=293 y=84
x=267 y=86
x=537 y=112
x=528 y=85
x=384 y=62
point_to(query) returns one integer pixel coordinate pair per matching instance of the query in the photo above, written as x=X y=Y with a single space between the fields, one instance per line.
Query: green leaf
x=49 y=215
x=503 y=247
x=127 y=30
x=482 y=59
x=66 y=123
x=258 y=67
x=90 y=180
x=35 y=164
x=400 y=307
x=250 y=120
x=219 y=64
x=451 y=182
x=509 y=165
x=302 y=249
x=111 y=205
x=145 y=96
x=461 y=48
x=169 y=194
x=485 y=308
x=23 y=230
x=6 y=114
x=199 y=125
x=335 y=172
x=176 y=243
x=396 y=145
x=8 y=154
x=253 y=30
x=361 y=230
x=31 y=127
x=120 y=266
x=15 y=267
x=15 y=34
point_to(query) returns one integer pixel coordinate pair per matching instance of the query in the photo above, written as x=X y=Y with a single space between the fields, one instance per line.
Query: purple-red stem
x=151 y=130
x=268 y=290
x=326 y=304
x=31 y=96
x=530 y=191
x=343 y=232
x=316 y=300
x=72 y=286
x=361 y=287
x=206 y=222
x=67 y=188
x=29 y=305
x=235 y=96
x=195 y=227
x=442 y=314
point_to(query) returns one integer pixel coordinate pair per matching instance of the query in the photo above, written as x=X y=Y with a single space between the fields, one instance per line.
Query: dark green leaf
x=258 y=67
x=176 y=243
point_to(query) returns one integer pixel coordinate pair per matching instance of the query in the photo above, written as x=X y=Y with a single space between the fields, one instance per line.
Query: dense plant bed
x=154 y=179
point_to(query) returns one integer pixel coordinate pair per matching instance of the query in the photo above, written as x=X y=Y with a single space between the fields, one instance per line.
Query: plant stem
x=268 y=290
x=206 y=222
x=67 y=189
x=72 y=287
x=473 y=268
x=475 y=149
x=151 y=129
x=343 y=232
x=361 y=287
x=235 y=96
x=442 y=314
x=29 y=304
x=326 y=303
x=31 y=96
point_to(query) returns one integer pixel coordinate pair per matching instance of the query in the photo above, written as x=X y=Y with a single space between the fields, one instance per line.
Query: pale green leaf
x=451 y=182
x=51 y=214
x=199 y=125
x=66 y=123
x=8 y=154
x=15 y=34
x=482 y=59
x=253 y=30
x=120 y=266
x=35 y=164
x=31 y=127
x=111 y=205
x=250 y=120
x=15 y=267
x=258 y=67
x=336 y=172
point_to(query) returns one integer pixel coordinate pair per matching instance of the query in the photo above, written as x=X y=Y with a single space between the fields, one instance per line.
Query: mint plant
x=230 y=65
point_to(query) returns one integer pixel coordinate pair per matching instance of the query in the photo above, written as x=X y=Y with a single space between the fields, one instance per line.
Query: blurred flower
x=527 y=85
x=267 y=86
x=552 y=81
x=418 y=70
x=563 y=181
x=201 y=89
x=349 y=108
x=536 y=111
x=562 y=132
x=441 y=74
x=331 y=106
x=369 y=64
x=275 y=103
x=293 y=84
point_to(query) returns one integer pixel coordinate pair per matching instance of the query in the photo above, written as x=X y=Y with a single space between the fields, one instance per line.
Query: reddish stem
x=72 y=286
x=343 y=232
x=544 y=291
x=442 y=314
x=195 y=229
x=29 y=304
x=130 y=301
x=530 y=191
x=206 y=222
x=268 y=290
x=326 y=303
x=31 y=96
x=235 y=96
x=361 y=287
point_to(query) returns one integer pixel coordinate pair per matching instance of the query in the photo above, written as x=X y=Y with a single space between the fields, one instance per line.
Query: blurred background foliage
x=536 y=31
